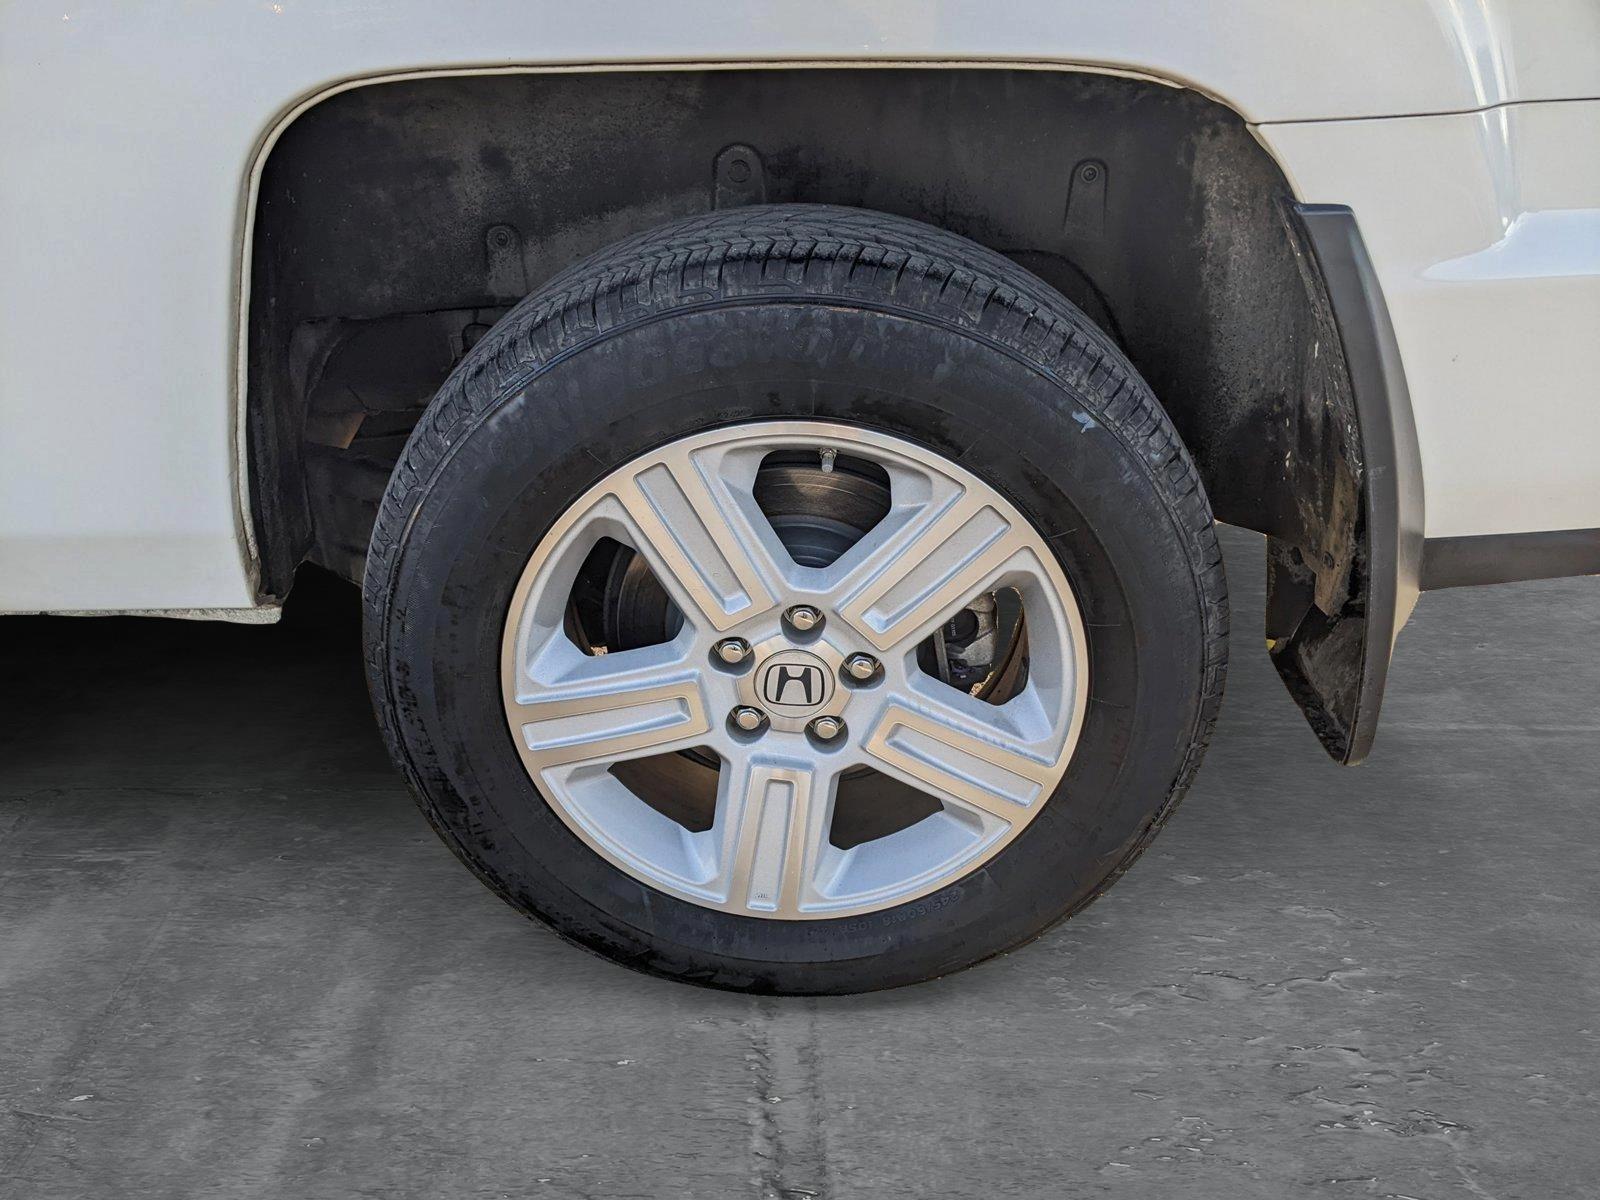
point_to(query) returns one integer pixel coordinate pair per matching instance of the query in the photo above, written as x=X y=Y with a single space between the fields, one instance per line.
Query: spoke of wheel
x=962 y=758
x=772 y=822
x=917 y=577
x=611 y=707
x=703 y=545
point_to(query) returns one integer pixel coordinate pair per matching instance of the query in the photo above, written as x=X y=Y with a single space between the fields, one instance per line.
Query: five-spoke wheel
x=790 y=675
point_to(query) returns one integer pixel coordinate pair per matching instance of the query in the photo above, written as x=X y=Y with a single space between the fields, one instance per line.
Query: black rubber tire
x=797 y=311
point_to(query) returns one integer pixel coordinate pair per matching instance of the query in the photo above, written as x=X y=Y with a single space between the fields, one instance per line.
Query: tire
x=867 y=322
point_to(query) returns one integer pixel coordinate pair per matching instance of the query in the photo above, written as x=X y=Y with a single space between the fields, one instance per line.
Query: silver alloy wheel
x=689 y=509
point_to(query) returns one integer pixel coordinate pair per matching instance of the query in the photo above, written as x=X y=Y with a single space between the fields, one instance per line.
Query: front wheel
x=796 y=599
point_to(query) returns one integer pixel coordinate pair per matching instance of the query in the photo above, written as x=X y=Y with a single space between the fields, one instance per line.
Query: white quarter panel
x=1485 y=232
x=128 y=132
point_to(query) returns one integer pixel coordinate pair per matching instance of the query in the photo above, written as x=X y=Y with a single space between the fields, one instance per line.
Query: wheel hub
x=794 y=683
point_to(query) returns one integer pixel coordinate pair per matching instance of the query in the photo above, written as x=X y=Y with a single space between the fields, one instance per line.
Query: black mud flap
x=1331 y=639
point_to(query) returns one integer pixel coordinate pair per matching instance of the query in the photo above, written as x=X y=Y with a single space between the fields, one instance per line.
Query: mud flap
x=1332 y=647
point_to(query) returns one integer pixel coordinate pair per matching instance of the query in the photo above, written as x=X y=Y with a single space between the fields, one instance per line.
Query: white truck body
x=1464 y=135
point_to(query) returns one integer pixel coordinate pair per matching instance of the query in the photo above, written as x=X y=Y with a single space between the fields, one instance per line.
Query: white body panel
x=130 y=132
x=1484 y=229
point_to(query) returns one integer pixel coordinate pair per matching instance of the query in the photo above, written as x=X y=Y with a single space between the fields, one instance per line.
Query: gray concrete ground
x=235 y=963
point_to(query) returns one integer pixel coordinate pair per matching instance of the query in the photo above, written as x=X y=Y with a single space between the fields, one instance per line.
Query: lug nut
x=861 y=667
x=749 y=719
x=733 y=651
x=827 y=728
x=803 y=617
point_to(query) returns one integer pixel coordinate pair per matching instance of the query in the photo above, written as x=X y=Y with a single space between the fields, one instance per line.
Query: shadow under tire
x=853 y=320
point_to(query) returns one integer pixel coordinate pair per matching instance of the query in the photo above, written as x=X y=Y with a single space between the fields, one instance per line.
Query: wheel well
x=395 y=222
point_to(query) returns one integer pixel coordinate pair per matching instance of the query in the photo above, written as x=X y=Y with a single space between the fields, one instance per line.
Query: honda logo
x=795 y=681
